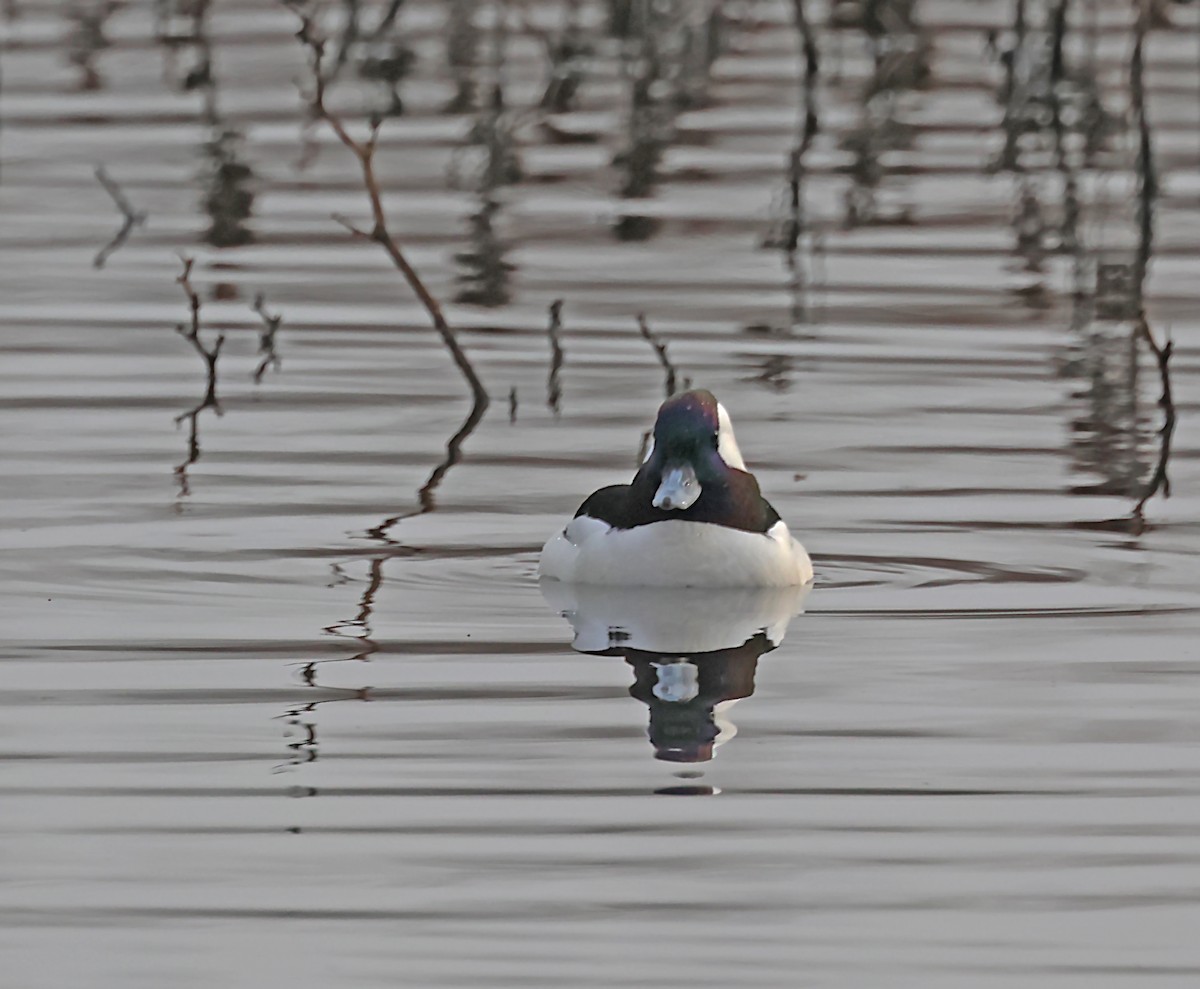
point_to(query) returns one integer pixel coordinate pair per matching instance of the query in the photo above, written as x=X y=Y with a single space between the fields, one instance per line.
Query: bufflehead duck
x=692 y=517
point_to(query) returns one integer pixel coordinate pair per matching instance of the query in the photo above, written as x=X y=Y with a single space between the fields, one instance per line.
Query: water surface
x=283 y=712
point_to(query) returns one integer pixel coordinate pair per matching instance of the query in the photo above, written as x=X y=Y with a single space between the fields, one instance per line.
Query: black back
x=733 y=501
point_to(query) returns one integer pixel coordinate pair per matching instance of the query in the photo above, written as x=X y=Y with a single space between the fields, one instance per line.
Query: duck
x=693 y=515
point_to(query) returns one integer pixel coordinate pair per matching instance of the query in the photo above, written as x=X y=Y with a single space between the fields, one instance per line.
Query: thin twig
x=553 y=386
x=364 y=151
x=191 y=333
x=131 y=218
x=660 y=348
x=1158 y=481
x=266 y=339
x=512 y=404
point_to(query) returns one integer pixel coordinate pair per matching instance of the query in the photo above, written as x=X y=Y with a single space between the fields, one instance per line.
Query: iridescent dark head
x=689 y=417
x=687 y=437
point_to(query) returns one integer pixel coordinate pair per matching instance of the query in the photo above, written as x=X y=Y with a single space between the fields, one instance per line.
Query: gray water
x=273 y=716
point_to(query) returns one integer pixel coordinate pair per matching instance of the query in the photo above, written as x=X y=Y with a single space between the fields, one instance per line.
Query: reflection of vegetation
x=775 y=373
x=182 y=26
x=87 y=39
x=426 y=493
x=462 y=52
x=228 y=192
x=227 y=197
x=649 y=116
x=900 y=55
x=130 y=218
x=1113 y=436
x=269 y=356
x=553 y=385
x=791 y=233
x=484 y=271
x=378 y=54
x=1108 y=437
x=389 y=64
x=1043 y=90
x=302 y=719
x=667 y=54
x=567 y=53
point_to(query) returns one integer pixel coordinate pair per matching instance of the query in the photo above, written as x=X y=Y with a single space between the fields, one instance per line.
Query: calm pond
x=283 y=702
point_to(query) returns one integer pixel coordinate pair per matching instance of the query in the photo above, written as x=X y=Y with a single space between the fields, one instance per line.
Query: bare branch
x=357 y=232
x=210 y=355
x=660 y=348
x=131 y=218
x=364 y=151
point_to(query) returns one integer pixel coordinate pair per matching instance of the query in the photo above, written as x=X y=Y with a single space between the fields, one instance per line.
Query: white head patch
x=727 y=446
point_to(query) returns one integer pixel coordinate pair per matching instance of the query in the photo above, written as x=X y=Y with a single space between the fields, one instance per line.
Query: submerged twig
x=131 y=218
x=512 y=404
x=553 y=385
x=660 y=349
x=1158 y=481
x=266 y=339
x=364 y=152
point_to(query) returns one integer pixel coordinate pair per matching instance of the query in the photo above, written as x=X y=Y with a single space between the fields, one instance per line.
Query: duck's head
x=693 y=445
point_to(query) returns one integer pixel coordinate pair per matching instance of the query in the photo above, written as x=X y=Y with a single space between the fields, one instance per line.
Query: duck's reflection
x=693 y=652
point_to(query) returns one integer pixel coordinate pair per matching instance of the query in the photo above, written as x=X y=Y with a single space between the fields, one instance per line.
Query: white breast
x=675 y=553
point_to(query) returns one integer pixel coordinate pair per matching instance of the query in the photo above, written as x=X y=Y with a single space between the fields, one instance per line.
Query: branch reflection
x=358 y=629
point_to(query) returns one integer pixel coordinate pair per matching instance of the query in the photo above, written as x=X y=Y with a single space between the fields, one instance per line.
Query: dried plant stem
x=1159 y=481
x=364 y=151
x=131 y=218
x=660 y=349
x=557 y=356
